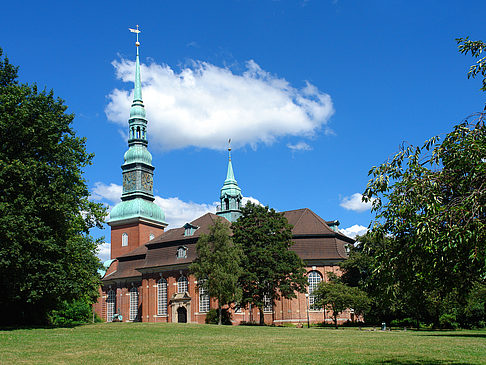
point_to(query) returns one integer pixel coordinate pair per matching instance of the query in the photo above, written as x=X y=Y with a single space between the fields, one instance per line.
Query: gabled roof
x=306 y=222
x=177 y=234
x=312 y=237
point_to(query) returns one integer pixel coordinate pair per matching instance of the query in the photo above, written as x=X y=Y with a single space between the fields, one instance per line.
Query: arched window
x=226 y=204
x=182 y=285
x=138 y=132
x=124 y=239
x=110 y=305
x=203 y=300
x=314 y=278
x=133 y=304
x=162 y=297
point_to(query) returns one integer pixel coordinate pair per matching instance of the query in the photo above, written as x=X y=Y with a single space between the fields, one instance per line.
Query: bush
x=404 y=322
x=448 y=321
x=71 y=314
x=212 y=316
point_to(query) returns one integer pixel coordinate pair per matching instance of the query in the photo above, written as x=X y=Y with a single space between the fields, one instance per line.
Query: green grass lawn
x=145 y=343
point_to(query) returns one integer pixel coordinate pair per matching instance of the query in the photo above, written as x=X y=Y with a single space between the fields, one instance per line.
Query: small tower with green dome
x=230 y=196
x=136 y=219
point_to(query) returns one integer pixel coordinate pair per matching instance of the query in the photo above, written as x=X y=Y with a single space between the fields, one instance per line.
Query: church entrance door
x=182 y=315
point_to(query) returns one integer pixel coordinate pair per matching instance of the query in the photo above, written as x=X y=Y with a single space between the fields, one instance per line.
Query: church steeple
x=230 y=196
x=137 y=205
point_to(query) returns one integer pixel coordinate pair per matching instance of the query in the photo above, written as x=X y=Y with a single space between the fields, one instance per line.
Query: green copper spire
x=137 y=197
x=230 y=196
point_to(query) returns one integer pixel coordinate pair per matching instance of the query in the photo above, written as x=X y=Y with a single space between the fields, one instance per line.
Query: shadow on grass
x=423 y=362
x=478 y=335
x=37 y=327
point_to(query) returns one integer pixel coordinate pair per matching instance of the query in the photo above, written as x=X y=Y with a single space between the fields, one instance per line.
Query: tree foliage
x=475 y=48
x=338 y=297
x=46 y=253
x=432 y=201
x=217 y=266
x=270 y=268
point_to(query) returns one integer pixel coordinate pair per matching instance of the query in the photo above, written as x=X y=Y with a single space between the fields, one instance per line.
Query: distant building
x=148 y=279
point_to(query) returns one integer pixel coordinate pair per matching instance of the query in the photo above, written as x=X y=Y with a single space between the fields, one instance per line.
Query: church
x=148 y=278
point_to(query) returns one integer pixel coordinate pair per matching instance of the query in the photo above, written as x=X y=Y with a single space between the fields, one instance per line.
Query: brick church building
x=148 y=278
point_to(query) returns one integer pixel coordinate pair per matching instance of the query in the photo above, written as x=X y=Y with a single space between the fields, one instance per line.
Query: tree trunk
x=262 y=317
x=335 y=320
x=219 y=314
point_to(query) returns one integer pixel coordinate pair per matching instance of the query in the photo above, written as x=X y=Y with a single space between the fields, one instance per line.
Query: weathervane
x=135 y=31
x=229 y=148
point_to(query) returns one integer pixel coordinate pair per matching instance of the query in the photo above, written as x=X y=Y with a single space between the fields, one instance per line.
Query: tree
x=217 y=265
x=476 y=48
x=432 y=201
x=270 y=269
x=338 y=297
x=46 y=253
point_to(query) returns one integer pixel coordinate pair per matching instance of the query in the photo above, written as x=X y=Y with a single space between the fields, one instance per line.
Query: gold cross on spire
x=135 y=31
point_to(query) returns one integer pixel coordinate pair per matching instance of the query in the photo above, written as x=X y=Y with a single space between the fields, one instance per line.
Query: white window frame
x=203 y=300
x=124 y=239
x=133 y=304
x=162 y=297
x=182 y=252
x=110 y=305
x=314 y=277
x=182 y=285
x=267 y=304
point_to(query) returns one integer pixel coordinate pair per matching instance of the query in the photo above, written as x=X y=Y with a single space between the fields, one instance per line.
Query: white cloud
x=247 y=199
x=355 y=230
x=355 y=203
x=203 y=105
x=104 y=251
x=177 y=212
x=112 y=193
x=301 y=146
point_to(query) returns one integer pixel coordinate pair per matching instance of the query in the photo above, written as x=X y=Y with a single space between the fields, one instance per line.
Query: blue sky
x=312 y=93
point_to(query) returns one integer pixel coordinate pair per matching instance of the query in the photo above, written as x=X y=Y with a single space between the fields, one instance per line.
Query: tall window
x=267 y=303
x=182 y=285
x=162 y=297
x=124 y=239
x=314 y=278
x=133 y=304
x=203 y=300
x=110 y=305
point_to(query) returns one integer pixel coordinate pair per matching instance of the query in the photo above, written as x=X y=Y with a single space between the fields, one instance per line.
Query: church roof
x=162 y=250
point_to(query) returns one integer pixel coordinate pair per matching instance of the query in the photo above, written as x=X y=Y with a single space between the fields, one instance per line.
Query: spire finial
x=229 y=148
x=136 y=31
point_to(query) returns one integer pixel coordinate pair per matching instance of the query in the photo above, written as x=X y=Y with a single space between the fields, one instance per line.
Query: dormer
x=189 y=229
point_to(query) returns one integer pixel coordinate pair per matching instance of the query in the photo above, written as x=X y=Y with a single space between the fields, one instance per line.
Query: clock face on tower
x=147 y=182
x=129 y=181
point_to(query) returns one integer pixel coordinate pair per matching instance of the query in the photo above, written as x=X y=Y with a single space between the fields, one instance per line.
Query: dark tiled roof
x=139 y=251
x=126 y=269
x=313 y=240
x=162 y=250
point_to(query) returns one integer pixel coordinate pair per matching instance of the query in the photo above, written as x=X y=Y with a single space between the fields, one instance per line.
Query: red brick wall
x=284 y=311
x=138 y=234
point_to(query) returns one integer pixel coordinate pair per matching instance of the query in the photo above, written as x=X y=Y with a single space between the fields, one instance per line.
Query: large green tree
x=46 y=253
x=270 y=269
x=432 y=201
x=217 y=265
